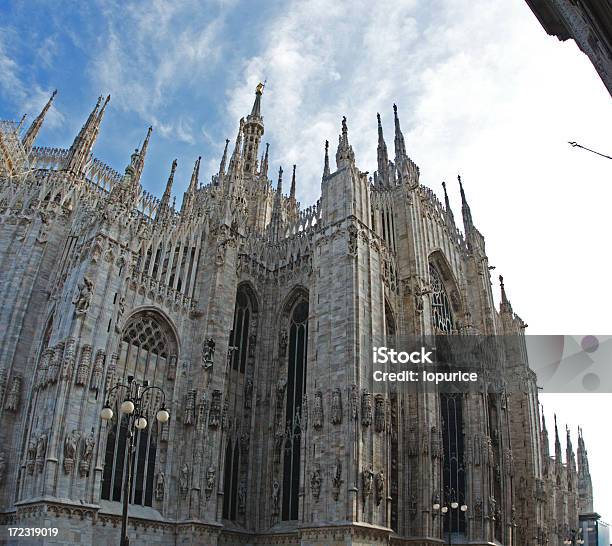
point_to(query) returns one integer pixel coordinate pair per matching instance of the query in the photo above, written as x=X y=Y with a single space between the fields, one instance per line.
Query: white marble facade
x=257 y=317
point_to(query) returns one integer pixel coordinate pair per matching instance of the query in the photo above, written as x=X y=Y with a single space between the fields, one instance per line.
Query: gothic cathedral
x=257 y=318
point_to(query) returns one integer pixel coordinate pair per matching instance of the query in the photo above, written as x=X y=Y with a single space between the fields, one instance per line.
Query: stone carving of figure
x=242 y=492
x=189 y=413
x=214 y=415
x=31 y=459
x=98 y=371
x=120 y=312
x=366 y=408
x=379 y=485
x=211 y=474
x=337 y=480
x=88 y=448
x=412 y=442
x=160 y=485
x=281 y=386
x=208 y=352
x=82 y=299
x=367 y=477
x=275 y=497
x=171 y=372
x=379 y=413
x=41 y=451
x=282 y=344
x=84 y=365
x=435 y=443
x=70 y=449
x=317 y=418
x=315 y=483
x=336 y=410
x=13 y=397
x=478 y=507
x=184 y=480
x=2 y=466
x=354 y=398
x=244 y=442
x=248 y=393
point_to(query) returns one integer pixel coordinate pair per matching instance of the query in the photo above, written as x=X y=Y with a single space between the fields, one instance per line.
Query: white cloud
x=148 y=55
x=27 y=98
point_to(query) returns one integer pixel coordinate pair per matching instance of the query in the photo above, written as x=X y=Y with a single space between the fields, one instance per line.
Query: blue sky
x=481 y=90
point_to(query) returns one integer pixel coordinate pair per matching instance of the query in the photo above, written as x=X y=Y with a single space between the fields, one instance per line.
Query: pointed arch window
x=441 y=311
x=242 y=343
x=147 y=347
x=295 y=390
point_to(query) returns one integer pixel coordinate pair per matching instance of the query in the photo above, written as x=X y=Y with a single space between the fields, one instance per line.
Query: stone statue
x=41 y=451
x=171 y=371
x=242 y=492
x=160 y=484
x=413 y=448
x=366 y=408
x=379 y=487
x=13 y=397
x=336 y=409
x=337 y=480
x=211 y=473
x=367 y=476
x=88 y=448
x=98 y=371
x=354 y=400
x=214 y=415
x=379 y=413
x=189 y=412
x=317 y=417
x=120 y=312
x=82 y=300
x=85 y=363
x=315 y=483
x=275 y=497
x=184 y=480
x=282 y=344
x=208 y=352
x=70 y=449
x=248 y=393
x=31 y=455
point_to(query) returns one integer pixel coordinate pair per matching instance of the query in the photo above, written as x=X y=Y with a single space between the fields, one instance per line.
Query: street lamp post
x=450 y=503
x=574 y=537
x=136 y=414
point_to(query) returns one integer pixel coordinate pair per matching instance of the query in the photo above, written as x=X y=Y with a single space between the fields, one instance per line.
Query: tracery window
x=441 y=310
x=147 y=348
x=242 y=343
x=296 y=387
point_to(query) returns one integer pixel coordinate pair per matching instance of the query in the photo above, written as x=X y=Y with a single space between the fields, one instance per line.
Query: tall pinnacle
x=400 y=146
x=557 y=444
x=292 y=190
x=138 y=158
x=264 y=163
x=449 y=211
x=465 y=209
x=344 y=154
x=164 y=205
x=79 y=152
x=223 y=159
x=326 y=163
x=33 y=130
x=383 y=158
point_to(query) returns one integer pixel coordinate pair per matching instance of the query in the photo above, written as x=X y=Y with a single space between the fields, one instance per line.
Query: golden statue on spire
x=260 y=87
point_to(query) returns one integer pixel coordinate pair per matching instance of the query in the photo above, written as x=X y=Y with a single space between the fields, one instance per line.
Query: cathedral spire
x=264 y=162
x=326 y=162
x=504 y=305
x=545 y=443
x=138 y=158
x=223 y=159
x=276 y=219
x=400 y=146
x=465 y=209
x=253 y=131
x=344 y=154
x=164 y=205
x=449 y=211
x=189 y=195
x=235 y=159
x=570 y=456
x=292 y=190
x=382 y=156
x=33 y=130
x=80 y=151
x=558 y=458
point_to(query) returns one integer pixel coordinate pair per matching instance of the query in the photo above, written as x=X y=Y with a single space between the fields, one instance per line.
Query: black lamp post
x=574 y=537
x=132 y=407
x=450 y=503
